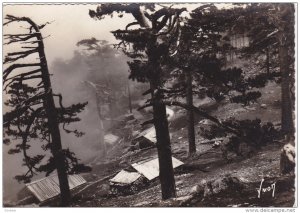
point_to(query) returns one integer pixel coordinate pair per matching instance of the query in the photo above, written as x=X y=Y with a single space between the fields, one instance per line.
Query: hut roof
x=48 y=187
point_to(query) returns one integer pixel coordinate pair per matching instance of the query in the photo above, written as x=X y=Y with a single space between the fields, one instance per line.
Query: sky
x=71 y=23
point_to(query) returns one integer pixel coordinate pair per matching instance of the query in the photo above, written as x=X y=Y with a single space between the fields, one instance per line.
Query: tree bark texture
x=190 y=113
x=129 y=98
x=99 y=112
x=287 y=123
x=166 y=171
x=111 y=105
x=49 y=104
x=268 y=60
x=102 y=141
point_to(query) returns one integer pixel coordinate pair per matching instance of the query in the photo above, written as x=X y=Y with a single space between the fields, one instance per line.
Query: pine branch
x=21 y=79
x=15 y=38
x=28 y=47
x=60 y=101
x=149 y=91
x=108 y=9
x=12 y=67
x=33 y=116
x=173 y=90
x=30 y=42
x=39 y=96
x=29 y=161
x=20 y=35
x=22 y=75
x=70 y=114
x=23 y=53
x=203 y=114
x=44 y=25
x=171 y=27
x=131 y=24
x=10 y=116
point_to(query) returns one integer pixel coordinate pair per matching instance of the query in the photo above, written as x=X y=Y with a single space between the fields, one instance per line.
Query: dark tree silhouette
x=196 y=68
x=277 y=39
x=218 y=83
x=32 y=114
x=149 y=44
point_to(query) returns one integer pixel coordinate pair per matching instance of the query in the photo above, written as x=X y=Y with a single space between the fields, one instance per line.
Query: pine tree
x=202 y=52
x=271 y=27
x=149 y=45
x=253 y=133
x=195 y=66
x=101 y=57
x=32 y=112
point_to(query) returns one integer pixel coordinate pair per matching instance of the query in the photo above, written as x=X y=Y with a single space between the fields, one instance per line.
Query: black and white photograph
x=149 y=104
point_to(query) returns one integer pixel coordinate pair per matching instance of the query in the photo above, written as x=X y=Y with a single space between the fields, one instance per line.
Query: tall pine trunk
x=111 y=105
x=190 y=113
x=287 y=124
x=268 y=60
x=129 y=97
x=102 y=141
x=166 y=172
x=56 y=146
x=99 y=112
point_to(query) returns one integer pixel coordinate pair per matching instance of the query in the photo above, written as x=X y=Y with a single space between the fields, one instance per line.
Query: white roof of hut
x=150 y=168
x=149 y=133
x=111 y=139
x=125 y=177
x=48 y=187
x=147 y=168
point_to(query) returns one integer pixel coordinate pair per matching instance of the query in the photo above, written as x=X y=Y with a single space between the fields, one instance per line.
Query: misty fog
x=69 y=67
x=69 y=80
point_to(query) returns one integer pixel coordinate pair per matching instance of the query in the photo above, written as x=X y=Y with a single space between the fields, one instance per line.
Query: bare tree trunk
x=287 y=124
x=268 y=60
x=129 y=97
x=99 y=112
x=56 y=146
x=111 y=108
x=190 y=113
x=166 y=172
x=102 y=131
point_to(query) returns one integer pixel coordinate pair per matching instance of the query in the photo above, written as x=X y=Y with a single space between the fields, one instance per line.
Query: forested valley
x=190 y=105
